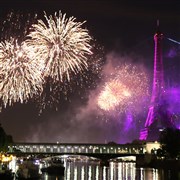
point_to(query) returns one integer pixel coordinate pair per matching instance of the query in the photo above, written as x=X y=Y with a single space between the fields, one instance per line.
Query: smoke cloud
x=82 y=121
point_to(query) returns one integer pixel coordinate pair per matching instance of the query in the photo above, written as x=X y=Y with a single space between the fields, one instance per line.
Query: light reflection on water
x=115 y=171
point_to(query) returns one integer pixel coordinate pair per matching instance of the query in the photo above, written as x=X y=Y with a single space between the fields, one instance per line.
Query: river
x=90 y=170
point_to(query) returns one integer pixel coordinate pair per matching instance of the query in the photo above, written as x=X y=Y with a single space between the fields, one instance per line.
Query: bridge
x=78 y=149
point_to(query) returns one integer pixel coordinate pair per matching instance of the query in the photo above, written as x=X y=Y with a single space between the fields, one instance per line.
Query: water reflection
x=93 y=170
x=147 y=173
x=115 y=171
x=122 y=170
x=50 y=177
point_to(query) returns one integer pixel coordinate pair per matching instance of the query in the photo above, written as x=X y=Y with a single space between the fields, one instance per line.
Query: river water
x=90 y=170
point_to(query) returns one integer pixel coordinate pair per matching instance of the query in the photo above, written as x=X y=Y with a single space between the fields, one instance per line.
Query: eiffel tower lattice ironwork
x=158 y=116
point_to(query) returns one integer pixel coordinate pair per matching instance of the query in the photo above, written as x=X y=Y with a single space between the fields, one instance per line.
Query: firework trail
x=172 y=40
x=20 y=75
x=62 y=44
x=124 y=90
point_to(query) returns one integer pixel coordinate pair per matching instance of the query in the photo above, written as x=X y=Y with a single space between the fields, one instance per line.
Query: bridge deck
x=59 y=148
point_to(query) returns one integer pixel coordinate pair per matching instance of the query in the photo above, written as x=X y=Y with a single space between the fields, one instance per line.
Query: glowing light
x=5 y=158
x=62 y=44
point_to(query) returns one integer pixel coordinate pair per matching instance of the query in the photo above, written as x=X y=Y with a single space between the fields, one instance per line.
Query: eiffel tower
x=158 y=116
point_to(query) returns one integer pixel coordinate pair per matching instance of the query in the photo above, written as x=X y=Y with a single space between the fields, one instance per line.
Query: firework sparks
x=124 y=89
x=114 y=93
x=50 y=96
x=56 y=92
x=20 y=76
x=16 y=24
x=62 y=44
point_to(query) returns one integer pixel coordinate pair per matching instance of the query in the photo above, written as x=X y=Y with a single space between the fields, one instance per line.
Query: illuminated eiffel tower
x=158 y=116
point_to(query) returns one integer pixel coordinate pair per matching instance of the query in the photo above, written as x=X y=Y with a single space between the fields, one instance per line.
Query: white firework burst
x=20 y=75
x=62 y=44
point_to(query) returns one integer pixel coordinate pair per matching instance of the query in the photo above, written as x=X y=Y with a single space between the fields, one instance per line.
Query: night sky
x=124 y=29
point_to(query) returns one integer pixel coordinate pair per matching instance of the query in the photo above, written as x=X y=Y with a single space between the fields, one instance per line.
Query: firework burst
x=62 y=44
x=20 y=75
x=113 y=94
x=125 y=89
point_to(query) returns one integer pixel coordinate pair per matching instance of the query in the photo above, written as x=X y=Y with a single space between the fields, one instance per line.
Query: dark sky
x=124 y=27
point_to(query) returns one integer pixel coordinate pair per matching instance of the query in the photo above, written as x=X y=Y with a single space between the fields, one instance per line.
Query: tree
x=170 y=142
x=2 y=138
x=5 y=140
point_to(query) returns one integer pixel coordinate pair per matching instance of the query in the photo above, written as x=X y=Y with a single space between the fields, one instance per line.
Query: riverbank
x=165 y=164
x=152 y=161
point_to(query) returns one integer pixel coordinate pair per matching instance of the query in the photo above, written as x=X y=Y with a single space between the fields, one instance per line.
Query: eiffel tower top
x=158 y=33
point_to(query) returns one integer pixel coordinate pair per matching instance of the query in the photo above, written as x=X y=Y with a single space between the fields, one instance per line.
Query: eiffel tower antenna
x=157 y=23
